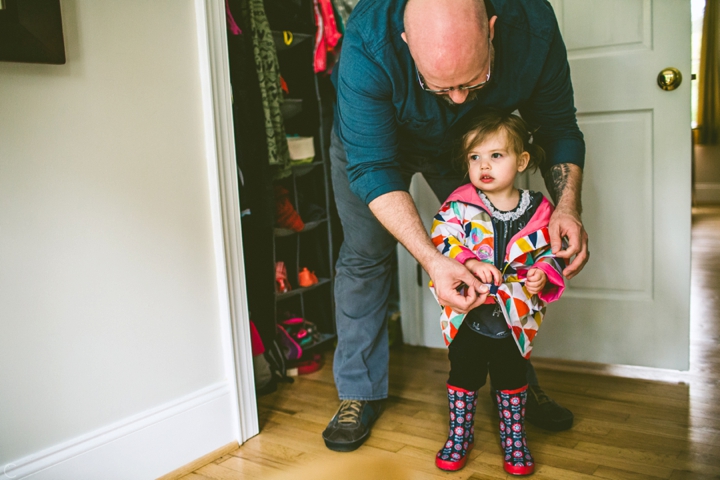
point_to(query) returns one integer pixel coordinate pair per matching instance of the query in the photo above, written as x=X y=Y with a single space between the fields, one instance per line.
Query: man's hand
x=535 y=281
x=485 y=272
x=564 y=182
x=567 y=224
x=397 y=212
x=447 y=275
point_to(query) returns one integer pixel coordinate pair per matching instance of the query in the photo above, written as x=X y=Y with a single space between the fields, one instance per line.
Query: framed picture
x=31 y=31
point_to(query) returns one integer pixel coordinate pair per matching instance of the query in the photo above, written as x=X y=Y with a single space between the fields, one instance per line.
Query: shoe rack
x=307 y=112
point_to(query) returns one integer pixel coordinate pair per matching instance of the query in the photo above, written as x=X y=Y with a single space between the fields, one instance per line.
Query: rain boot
x=511 y=408
x=461 y=437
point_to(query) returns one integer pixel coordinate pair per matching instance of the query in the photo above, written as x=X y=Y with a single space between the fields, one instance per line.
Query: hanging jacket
x=463 y=230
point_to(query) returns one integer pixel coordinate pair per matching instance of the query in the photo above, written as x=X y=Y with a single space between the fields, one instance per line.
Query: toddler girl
x=501 y=235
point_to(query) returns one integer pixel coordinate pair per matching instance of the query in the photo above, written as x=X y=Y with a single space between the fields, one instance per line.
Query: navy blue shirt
x=382 y=112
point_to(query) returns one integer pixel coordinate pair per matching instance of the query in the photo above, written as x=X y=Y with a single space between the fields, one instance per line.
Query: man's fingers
x=555 y=237
x=478 y=301
x=457 y=301
x=474 y=284
x=573 y=244
x=579 y=261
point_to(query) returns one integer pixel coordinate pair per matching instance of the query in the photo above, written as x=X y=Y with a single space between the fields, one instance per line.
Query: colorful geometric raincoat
x=463 y=229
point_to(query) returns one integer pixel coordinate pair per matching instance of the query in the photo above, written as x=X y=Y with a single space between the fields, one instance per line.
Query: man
x=411 y=72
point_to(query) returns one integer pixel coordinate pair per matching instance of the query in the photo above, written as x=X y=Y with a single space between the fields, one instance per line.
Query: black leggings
x=472 y=355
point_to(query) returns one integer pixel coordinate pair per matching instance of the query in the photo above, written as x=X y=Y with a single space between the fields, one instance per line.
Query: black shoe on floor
x=350 y=426
x=544 y=412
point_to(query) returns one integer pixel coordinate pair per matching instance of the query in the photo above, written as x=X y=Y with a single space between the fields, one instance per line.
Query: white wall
x=109 y=309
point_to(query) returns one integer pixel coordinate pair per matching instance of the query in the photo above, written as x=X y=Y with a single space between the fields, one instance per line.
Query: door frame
x=214 y=70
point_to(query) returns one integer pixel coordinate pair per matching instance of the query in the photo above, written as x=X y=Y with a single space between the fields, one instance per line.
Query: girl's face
x=492 y=165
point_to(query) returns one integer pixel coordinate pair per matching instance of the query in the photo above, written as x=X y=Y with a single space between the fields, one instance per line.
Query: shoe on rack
x=285 y=214
x=302 y=331
x=351 y=425
x=282 y=285
x=306 y=278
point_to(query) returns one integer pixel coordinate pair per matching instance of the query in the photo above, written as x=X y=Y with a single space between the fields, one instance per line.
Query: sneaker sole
x=346 y=447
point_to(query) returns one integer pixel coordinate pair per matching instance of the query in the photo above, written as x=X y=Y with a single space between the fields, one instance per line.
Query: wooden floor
x=624 y=428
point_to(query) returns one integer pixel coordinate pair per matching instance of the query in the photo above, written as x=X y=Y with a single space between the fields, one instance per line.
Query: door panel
x=631 y=134
x=604 y=26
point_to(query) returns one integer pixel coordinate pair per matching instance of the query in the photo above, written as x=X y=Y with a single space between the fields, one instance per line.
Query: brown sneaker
x=544 y=412
x=351 y=425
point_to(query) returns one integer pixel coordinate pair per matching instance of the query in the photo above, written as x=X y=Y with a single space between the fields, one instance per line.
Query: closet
x=291 y=232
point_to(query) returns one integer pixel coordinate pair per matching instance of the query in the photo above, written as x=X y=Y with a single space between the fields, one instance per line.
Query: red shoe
x=461 y=437
x=511 y=408
x=285 y=214
x=307 y=278
x=282 y=285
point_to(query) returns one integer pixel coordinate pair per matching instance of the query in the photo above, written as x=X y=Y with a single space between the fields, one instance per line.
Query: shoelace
x=540 y=396
x=349 y=412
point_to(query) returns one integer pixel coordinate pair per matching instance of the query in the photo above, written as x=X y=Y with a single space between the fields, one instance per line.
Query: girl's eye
x=474 y=157
x=497 y=155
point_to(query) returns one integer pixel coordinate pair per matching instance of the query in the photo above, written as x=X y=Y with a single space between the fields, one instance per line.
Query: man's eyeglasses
x=443 y=91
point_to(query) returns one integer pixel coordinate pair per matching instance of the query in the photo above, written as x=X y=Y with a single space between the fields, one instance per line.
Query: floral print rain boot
x=511 y=408
x=461 y=438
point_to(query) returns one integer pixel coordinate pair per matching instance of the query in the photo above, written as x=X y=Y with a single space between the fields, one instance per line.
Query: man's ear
x=404 y=37
x=491 y=26
x=523 y=160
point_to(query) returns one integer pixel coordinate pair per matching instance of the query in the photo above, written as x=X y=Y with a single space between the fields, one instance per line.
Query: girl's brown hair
x=517 y=131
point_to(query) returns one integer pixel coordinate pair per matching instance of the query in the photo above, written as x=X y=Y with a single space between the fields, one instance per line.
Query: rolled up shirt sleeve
x=365 y=122
x=551 y=110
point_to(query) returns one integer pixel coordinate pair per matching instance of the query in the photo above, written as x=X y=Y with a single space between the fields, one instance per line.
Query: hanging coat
x=463 y=229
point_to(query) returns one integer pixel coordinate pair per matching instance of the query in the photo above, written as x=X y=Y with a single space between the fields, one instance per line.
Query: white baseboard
x=144 y=446
x=611 y=370
x=707 y=193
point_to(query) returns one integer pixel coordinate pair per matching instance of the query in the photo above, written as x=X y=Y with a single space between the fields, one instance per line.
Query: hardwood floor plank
x=195 y=476
x=610 y=473
x=601 y=459
x=219 y=472
x=250 y=468
x=685 y=475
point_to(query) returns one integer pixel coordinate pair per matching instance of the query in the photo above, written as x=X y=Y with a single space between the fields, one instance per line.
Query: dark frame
x=31 y=31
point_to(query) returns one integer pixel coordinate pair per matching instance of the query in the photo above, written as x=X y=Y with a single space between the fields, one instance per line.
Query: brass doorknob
x=669 y=78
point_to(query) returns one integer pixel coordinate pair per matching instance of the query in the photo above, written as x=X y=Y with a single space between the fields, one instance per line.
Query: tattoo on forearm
x=556 y=180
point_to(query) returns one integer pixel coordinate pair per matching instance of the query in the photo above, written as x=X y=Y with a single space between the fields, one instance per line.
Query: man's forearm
x=397 y=213
x=564 y=182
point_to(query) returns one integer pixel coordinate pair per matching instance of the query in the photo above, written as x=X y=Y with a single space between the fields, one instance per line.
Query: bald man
x=410 y=76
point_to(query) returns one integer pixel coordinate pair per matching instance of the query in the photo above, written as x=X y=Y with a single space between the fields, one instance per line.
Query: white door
x=631 y=304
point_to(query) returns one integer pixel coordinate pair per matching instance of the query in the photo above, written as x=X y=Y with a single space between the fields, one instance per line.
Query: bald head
x=448 y=39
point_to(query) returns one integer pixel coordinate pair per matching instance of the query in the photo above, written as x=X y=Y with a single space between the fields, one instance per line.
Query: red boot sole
x=512 y=470
x=449 y=466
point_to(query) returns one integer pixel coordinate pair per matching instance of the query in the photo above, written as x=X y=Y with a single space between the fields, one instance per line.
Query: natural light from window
x=698 y=10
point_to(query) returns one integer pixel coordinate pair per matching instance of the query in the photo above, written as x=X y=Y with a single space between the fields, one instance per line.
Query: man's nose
x=458 y=96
